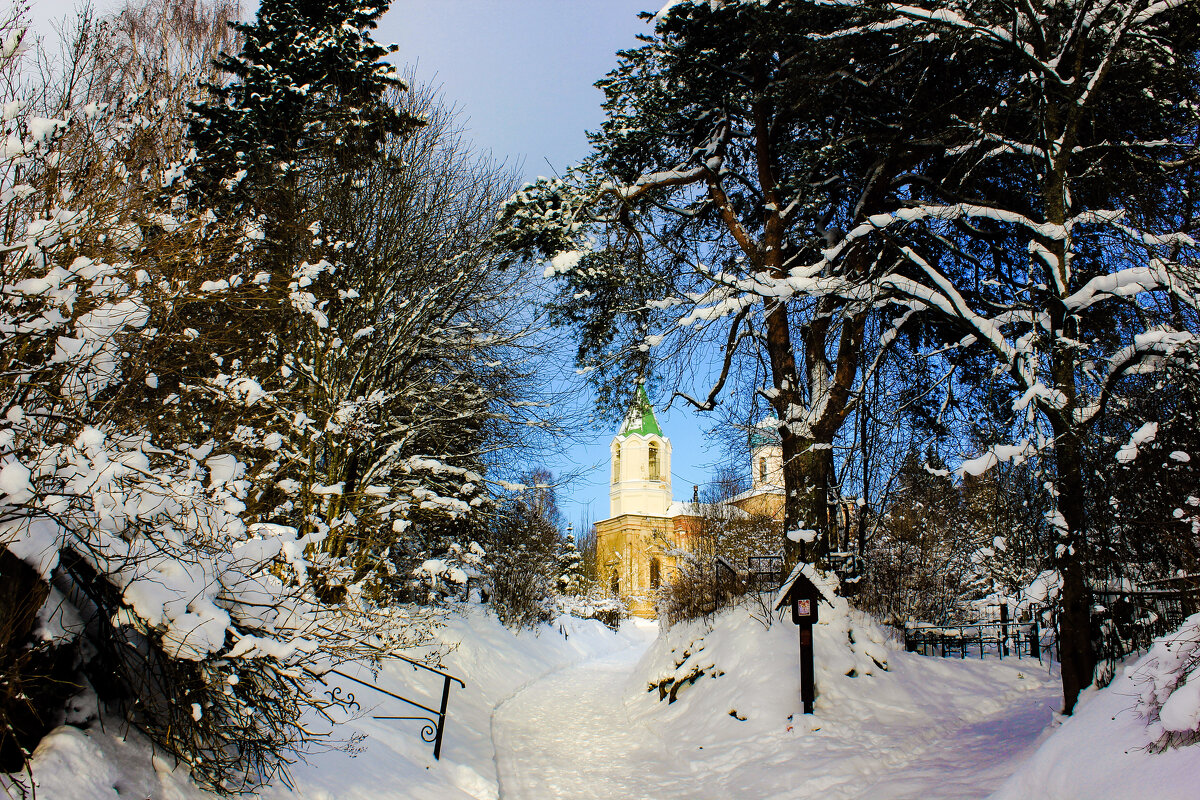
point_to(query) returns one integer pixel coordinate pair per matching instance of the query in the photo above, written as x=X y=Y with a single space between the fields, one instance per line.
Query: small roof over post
x=805 y=581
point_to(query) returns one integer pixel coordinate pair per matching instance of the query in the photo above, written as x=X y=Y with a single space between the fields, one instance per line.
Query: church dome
x=765 y=434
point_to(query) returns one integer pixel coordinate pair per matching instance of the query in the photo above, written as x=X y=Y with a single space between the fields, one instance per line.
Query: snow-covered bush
x=690 y=592
x=1169 y=679
x=521 y=566
x=595 y=604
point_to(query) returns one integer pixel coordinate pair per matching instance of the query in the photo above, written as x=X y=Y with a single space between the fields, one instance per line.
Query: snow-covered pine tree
x=571 y=579
x=1053 y=236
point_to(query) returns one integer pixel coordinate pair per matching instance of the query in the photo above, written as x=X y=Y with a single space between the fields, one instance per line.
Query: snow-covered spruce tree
x=308 y=88
x=571 y=579
x=730 y=152
x=392 y=389
x=1053 y=235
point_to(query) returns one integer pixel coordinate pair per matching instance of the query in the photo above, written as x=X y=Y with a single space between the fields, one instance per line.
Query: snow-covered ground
x=922 y=728
x=392 y=762
x=572 y=710
x=1103 y=751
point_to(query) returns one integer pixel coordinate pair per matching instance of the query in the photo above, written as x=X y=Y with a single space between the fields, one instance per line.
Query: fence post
x=1035 y=640
x=1003 y=629
x=441 y=726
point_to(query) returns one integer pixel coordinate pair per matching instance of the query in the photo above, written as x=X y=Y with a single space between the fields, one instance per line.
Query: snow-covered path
x=570 y=735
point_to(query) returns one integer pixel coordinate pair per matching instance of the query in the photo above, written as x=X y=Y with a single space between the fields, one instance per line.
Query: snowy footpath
x=580 y=733
x=568 y=736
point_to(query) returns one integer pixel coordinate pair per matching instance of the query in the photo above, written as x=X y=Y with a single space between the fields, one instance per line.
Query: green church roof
x=764 y=434
x=640 y=417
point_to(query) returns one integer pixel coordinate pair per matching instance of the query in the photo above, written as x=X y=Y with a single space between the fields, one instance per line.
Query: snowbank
x=1105 y=749
x=108 y=763
x=888 y=724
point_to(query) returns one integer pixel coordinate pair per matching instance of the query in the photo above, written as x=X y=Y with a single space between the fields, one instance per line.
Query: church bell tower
x=640 y=479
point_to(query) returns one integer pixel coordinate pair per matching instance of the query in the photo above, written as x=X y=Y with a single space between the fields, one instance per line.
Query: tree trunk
x=785 y=381
x=1076 y=652
x=810 y=495
x=35 y=679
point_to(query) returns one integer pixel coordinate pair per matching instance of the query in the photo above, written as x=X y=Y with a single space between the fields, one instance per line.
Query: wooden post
x=804 y=598
x=808 y=685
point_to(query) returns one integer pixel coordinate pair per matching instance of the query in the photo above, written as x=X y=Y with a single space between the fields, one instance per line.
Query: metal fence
x=434 y=719
x=1005 y=639
x=1128 y=622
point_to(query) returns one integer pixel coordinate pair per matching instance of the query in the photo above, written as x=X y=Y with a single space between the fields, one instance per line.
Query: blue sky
x=521 y=72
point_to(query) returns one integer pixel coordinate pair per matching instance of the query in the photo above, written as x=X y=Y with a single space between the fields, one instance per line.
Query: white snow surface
x=114 y=763
x=572 y=710
x=1101 y=753
x=925 y=728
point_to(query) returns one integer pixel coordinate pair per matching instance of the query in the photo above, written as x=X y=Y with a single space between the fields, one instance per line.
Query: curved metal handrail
x=416 y=663
x=434 y=725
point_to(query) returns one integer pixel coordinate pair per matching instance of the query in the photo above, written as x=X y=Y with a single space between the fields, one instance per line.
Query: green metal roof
x=764 y=434
x=639 y=418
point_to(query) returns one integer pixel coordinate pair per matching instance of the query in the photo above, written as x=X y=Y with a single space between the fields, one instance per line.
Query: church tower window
x=655 y=573
x=616 y=583
x=762 y=470
x=654 y=472
x=617 y=464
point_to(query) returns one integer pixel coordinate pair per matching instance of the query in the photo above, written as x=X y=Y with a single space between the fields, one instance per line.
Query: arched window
x=655 y=574
x=617 y=464
x=762 y=470
x=616 y=583
x=653 y=461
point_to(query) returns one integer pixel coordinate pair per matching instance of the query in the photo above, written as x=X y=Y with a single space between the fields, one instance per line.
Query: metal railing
x=766 y=573
x=1128 y=622
x=995 y=639
x=435 y=722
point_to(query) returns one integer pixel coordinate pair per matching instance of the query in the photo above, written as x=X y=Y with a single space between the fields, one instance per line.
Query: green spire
x=640 y=417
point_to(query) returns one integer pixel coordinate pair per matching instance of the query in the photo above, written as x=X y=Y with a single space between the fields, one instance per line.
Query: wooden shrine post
x=803 y=596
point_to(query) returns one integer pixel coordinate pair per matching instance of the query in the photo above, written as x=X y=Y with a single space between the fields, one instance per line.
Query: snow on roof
x=767 y=488
x=690 y=509
x=826 y=584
